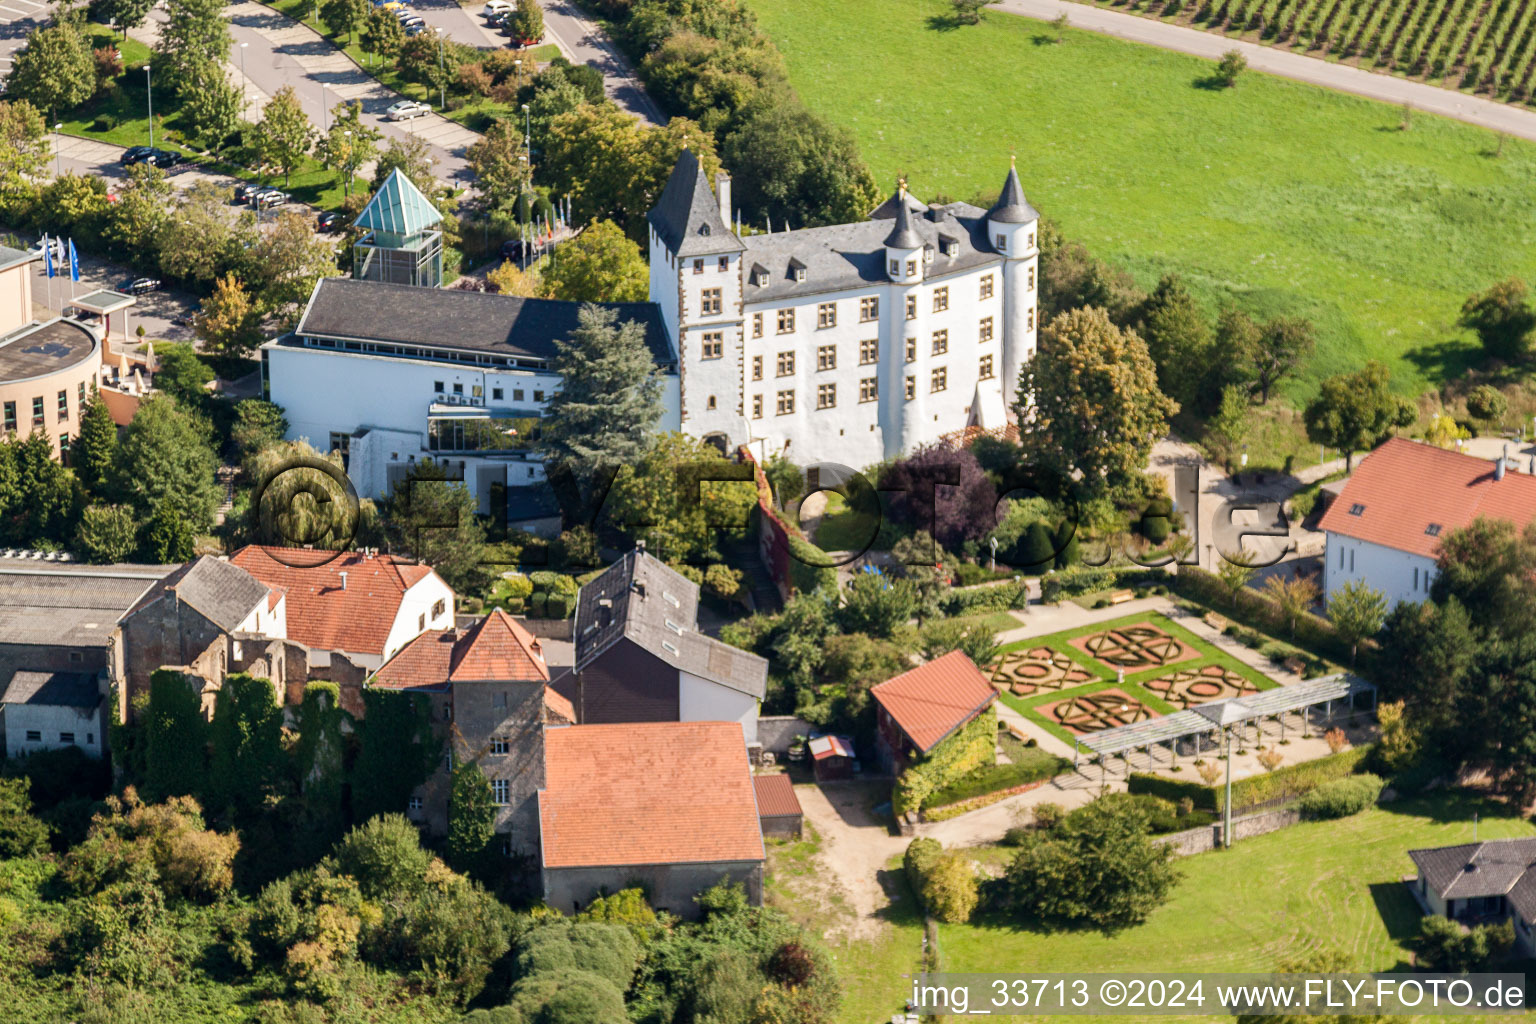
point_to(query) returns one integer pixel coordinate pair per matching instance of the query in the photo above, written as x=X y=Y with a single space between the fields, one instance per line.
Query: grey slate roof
x=640 y=599
x=687 y=216
x=903 y=235
x=843 y=256
x=54 y=689
x=73 y=606
x=223 y=593
x=1011 y=206
x=444 y=318
x=1470 y=870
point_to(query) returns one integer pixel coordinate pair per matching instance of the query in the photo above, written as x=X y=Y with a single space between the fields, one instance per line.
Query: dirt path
x=855 y=848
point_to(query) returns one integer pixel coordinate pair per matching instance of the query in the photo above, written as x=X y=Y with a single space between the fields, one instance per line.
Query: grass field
x=1331 y=884
x=1061 y=643
x=1276 y=195
x=1481 y=45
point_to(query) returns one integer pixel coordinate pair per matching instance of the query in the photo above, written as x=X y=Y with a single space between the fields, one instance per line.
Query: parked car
x=153 y=157
x=414 y=21
x=133 y=154
x=415 y=30
x=269 y=198
x=142 y=285
x=404 y=110
x=392 y=5
x=405 y=14
x=512 y=249
x=328 y=221
x=496 y=8
x=184 y=320
x=245 y=190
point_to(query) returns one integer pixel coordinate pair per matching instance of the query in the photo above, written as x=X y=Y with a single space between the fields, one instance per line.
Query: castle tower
x=696 y=279
x=402 y=244
x=903 y=398
x=1013 y=224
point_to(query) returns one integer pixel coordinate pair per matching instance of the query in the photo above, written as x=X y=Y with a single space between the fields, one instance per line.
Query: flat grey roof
x=104 y=301
x=56 y=689
x=1217 y=713
x=78 y=606
x=15 y=257
x=47 y=348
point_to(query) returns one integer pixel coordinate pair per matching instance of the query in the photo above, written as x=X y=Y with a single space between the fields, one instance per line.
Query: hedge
x=1254 y=609
x=810 y=568
x=993 y=777
x=996 y=597
x=1290 y=781
x=1342 y=797
x=973 y=746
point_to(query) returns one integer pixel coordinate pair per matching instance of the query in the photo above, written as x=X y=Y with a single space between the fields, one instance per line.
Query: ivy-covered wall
x=970 y=748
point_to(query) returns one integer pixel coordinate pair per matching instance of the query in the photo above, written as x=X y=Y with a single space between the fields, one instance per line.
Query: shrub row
x=973 y=746
x=1290 y=781
x=1342 y=797
x=1254 y=609
x=990 y=598
x=990 y=778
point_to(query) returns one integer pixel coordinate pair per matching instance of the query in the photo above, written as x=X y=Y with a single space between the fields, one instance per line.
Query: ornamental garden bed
x=1117 y=672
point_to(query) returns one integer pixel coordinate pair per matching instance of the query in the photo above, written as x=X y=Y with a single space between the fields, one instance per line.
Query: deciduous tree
x=95 y=449
x=124 y=14
x=1293 y=594
x=1274 y=352
x=345 y=17
x=165 y=461
x=106 y=534
x=288 y=259
x=797 y=168
x=349 y=143
x=229 y=321
x=283 y=137
x=54 y=71
x=1092 y=392
x=673 y=498
x=433 y=518
x=1487 y=404
x=471 y=816
x=599 y=265
x=1357 y=612
x=258 y=423
x=1179 y=340
x=23 y=150
x=193 y=45
x=527 y=22
x=381 y=34
x=1357 y=410
x=201 y=239
x=1503 y=318
x=213 y=109
x=501 y=164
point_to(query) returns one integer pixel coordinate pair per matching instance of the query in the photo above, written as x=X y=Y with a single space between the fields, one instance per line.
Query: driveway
x=154 y=312
x=1277 y=61
x=17 y=18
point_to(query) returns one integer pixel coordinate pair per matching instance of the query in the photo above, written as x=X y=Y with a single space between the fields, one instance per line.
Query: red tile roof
x=830 y=746
x=1405 y=488
x=321 y=613
x=775 y=796
x=933 y=700
x=648 y=793
x=497 y=647
x=559 y=707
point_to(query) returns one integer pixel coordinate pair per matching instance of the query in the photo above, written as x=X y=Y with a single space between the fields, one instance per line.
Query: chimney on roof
x=1498 y=471
x=343 y=576
x=640 y=546
x=537 y=649
x=723 y=195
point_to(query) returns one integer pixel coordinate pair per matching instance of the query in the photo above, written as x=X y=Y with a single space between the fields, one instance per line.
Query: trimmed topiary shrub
x=1342 y=797
x=538 y=605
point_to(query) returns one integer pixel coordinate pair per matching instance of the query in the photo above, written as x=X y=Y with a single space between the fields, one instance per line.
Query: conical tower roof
x=1011 y=207
x=687 y=216
x=399 y=207
x=903 y=235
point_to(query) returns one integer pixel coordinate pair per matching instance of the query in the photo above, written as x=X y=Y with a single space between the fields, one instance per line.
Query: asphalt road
x=17 y=18
x=1279 y=61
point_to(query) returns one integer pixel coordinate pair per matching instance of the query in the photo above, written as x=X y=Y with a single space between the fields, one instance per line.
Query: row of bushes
x=1342 y=797
x=1291 y=781
x=1037 y=766
x=1254 y=609
x=540 y=595
x=997 y=597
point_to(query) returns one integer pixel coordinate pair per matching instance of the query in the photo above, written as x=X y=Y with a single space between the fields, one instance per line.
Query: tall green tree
x=1357 y=410
x=22 y=834
x=106 y=534
x=413 y=158
x=1179 y=340
x=228 y=321
x=678 y=498
x=258 y=423
x=381 y=34
x=39 y=499
x=214 y=108
x=1096 y=404
x=193 y=46
x=471 y=817
x=23 y=151
x=527 y=22
x=1280 y=347
x=95 y=449
x=599 y=265
x=245 y=743
x=501 y=164
x=610 y=396
x=349 y=143
x=54 y=71
x=165 y=460
x=137 y=221
x=283 y=137
x=877 y=605
x=1357 y=612
x=1229 y=428
x=124 y=14
x=345 y=17
x=1489 y=566
x=287 y=261
x=797 y=168
x=168 y=538
x=175 y=737
x=202 y=240
x=396 y=752
x=1504 y=320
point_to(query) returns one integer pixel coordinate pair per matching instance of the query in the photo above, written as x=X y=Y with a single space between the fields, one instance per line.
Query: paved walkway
x=1276 y=61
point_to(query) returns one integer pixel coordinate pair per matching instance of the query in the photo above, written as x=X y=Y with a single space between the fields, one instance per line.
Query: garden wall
x=777 y=732
x=1208 y=837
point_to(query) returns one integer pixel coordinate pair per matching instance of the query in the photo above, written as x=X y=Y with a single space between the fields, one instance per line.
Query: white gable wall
x=700 y=700
x=1400 y=575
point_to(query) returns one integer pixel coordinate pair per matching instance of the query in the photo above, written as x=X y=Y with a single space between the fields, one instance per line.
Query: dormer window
x=1357 y=510
x=1433 y=529
x=796 y=270
x=759 y=276
x=948 y=246
x=927 y=254
x=703 y=229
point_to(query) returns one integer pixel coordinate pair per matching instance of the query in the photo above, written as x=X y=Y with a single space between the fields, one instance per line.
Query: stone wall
x=1208 y=837
x=777 y=732
x=512 y=713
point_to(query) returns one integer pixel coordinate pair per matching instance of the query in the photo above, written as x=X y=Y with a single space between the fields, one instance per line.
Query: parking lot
x=17 y=18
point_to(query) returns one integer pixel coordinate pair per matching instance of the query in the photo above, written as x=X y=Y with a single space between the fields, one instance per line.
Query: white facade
x=428 y=604
x=1400 y=575
x=703 y=700
x=33 y=727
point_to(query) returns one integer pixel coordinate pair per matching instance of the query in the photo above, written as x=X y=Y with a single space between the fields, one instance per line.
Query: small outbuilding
x=833 y=757
x=918 y=710
x=41 y=710
x=778 y=809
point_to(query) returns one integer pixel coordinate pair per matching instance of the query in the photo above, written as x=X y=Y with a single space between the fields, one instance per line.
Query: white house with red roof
x=1384 y=528
x=360 y=604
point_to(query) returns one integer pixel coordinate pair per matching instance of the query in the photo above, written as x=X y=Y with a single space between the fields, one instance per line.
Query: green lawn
x=1281 y=196
x=1332 y=884
x=1060 y=642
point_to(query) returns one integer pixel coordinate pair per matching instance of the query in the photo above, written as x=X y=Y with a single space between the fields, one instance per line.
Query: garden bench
x=1294 y=664
x=1216 y=621
x=1121 y=596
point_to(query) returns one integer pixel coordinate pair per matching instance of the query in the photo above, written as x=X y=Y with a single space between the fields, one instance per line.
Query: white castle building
x=850 y=343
